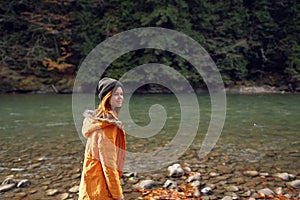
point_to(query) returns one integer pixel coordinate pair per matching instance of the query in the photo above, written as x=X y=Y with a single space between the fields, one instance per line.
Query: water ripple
x=57 y=124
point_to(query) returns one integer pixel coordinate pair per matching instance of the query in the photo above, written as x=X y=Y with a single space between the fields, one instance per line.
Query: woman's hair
x=104 y=107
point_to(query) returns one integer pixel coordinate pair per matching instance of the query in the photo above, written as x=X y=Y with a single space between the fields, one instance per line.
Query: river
x=262 y=131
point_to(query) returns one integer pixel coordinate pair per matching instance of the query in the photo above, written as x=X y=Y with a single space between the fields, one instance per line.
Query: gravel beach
x=52 y=171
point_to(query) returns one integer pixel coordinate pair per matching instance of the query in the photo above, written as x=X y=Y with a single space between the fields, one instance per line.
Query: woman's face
x=116 y=99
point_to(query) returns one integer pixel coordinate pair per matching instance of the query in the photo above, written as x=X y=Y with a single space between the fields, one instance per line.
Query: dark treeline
x=253 y=42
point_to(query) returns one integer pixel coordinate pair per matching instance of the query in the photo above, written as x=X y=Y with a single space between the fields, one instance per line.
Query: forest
x=252 y=42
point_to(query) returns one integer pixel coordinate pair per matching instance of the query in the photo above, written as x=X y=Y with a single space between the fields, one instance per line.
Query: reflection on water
x=258 y=128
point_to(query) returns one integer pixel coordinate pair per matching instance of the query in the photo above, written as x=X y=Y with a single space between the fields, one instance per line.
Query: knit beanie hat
x=107 y=84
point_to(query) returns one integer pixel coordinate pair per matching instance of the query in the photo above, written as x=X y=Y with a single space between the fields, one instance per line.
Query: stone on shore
x=34 y=166
x=170 y=184
x=194 y=177
x=294 y=184
x=250 y=173
x=32 y=191
x=145 y=184
x=225 y=169
x=23 y=183
x=232 y=188
x=74 y=189
x=6 y=187
x=8 y=180
x=21 y=194
x=213 y=174
x=266 y=192
x=279 y=190
x=17 y=169
x=206 y=190
x=51 y=192
x=227 y=198
x=264 y=174
x=196 y=184
x=62 y=196
x=197 y=193
x=175 y=170
x=283 y=176
x=130 y=174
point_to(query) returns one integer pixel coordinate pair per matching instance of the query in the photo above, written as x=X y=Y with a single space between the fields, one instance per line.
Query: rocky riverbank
x=224 y=182
x=12 y=82
x=52 y=170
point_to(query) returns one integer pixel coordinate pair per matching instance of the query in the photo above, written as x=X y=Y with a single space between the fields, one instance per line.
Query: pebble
x=264 y=174
x=227 y=198
x=170 y=184
x=225 y=169
x=221 y=178
x=43 y=158
x=283 y=176
x=74 y=189
x=45 y=187
x=212 y=186
x=187 y=169
x=288 y=196
x=57 y=185
x=294 y=184
x=238 y=180
x=145 y=184
x=75 y=176
x=206 y=190
x=22 y=194
x=197 y=193
x=51 y=192
x=265 y=192
x=175 y=170
x=8 y=180
x=6 y=187
x=32 y=191
x=62 y=196
x=47 y=182
x=279 y=190
x=34 y=166
x=213 y=174
x=250 y=173
x=23 y=183
x=132 y=180
x=254 y=196
x=130 y=174
x=246 y=194
x=292 y=176
x=194 y=177
x=232 y=188
x=17 y=169
x=3 y=168
x=196 y=184
x=235 y=196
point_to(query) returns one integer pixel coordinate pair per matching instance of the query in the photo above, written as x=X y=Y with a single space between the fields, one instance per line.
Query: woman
x=105 y=147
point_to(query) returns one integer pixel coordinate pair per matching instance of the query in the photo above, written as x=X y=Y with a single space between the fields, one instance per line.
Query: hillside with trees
x=252 y=42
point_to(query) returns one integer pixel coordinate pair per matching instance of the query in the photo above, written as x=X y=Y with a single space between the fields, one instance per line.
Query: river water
x=262 y=131
x=262 y=123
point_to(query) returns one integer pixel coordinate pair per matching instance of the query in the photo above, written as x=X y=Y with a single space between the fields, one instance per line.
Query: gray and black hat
x=107 y=84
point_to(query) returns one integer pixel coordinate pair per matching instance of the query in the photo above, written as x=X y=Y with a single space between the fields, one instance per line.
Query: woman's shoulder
x=104 y=121
x=90 y=114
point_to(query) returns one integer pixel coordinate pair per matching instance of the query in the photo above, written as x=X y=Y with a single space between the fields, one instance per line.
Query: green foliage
x=249 y=40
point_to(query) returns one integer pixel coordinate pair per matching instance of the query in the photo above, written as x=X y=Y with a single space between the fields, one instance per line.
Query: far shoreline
x=235 y=89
